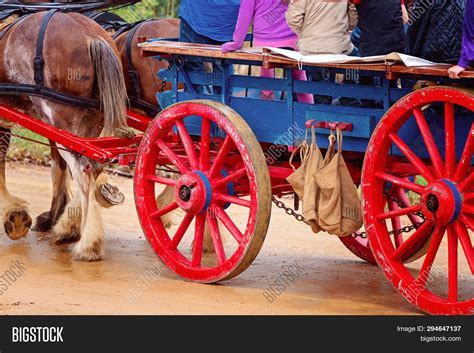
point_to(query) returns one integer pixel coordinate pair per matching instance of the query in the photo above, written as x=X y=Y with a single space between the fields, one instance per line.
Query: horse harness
x=38 y=89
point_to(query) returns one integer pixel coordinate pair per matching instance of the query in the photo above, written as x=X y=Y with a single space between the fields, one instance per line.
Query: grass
x=28 y=151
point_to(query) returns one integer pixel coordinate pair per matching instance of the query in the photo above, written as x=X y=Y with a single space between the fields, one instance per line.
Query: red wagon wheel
x=360 y=246
x=220 y=172
x=446 y=201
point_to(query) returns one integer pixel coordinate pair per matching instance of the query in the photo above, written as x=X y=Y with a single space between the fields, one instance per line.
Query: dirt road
x=329 y=280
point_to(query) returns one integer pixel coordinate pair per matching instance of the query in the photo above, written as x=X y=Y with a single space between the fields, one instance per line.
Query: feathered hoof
x=66 y=239
x=17 y=224
x=44 y=223
x=95 y=253
x=108 y=195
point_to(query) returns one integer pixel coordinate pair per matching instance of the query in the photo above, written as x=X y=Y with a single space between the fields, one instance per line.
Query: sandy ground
x=332 y=280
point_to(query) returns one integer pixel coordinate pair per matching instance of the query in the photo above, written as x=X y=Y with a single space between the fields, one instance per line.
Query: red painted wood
x=377 y=165
x=331 y=125
x=102 y=150
x=189 y=263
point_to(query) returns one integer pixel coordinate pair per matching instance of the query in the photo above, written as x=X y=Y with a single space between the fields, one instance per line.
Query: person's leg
x=270 y=73
x=267 y=94
x=189 y=35
x=302 y=97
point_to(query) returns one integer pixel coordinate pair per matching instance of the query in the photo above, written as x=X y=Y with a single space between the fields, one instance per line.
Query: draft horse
x=80 y=59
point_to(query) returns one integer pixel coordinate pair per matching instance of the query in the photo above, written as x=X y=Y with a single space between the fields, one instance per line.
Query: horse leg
x=61 y=192
x=90 y=245
x=68 y=227
x=14 y=210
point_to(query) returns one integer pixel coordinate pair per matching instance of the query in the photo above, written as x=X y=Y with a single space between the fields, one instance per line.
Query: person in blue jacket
x=208 y=21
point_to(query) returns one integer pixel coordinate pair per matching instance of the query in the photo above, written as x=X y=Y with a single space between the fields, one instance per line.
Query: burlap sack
x=339 y=205
x=302 y=180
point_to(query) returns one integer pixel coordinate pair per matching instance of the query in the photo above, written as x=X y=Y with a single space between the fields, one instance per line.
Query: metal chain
x=288 y=210
x=407 y=229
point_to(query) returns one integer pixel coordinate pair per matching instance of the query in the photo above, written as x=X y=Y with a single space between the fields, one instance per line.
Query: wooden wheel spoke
x=411 y=156
x=205 y=157
x=422 y=233
x=468 y=209
x=188 y=144
x=430 y=142
x=183 y=227
x=160 y=180
x=232 y=199
x=220 y=158
x=167 y=209
x=403 y=183
x=467 y=222
x=466 y=243
x=402 y=196
x=396 y=224
x=198 y=240
x=172 y=156
x=452 y=265
x=231 y=177
x=466 y=183
x=450 y=140
x=216 y=238
x=399 y=212
x=229 y=224
x=465 y=162
x=430 y=256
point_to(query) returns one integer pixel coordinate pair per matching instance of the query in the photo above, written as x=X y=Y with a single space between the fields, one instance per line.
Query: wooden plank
x=166 y=48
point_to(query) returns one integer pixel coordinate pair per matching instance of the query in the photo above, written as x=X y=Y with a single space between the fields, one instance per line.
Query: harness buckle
x=135 y=83
x=38 y=64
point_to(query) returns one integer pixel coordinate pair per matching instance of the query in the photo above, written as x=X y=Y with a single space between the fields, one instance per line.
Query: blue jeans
x=189 y=35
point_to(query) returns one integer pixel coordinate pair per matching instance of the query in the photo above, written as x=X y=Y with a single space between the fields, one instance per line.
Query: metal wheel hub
x=442 y=202
x=193 y=192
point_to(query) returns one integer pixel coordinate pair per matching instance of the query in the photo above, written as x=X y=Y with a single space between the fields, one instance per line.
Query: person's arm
x=353 y=16
x=467 y=53
x=295 y=15
x=246 y=11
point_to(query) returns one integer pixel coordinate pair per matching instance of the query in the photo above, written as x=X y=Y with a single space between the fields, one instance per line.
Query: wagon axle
x=185 y=193
x=432 y=203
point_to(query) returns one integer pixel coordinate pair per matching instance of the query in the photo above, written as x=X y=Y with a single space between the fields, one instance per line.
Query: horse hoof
x=108 y=195
x=43 y=223
x=88 y=255
x=68 y=238
x=208 y=249
x=17 y=224
x=167 y=221
x=67 y=241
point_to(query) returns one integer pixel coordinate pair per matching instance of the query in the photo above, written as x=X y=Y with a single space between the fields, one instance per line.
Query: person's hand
x=455 y=71
x=230 y=46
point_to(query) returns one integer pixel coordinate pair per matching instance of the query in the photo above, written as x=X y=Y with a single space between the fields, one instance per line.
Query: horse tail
x=111 y=83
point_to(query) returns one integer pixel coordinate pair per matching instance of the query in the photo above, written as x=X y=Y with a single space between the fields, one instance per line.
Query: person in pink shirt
x=269 y=30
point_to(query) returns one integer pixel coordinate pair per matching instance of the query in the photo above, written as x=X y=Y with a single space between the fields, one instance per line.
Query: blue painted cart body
x=282 y=121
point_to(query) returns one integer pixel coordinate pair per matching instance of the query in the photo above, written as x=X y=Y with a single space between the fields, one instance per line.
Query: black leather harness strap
x=133 y=77
x=38 y=63
x=18 y=89
x=132 y=72
x=38 y=89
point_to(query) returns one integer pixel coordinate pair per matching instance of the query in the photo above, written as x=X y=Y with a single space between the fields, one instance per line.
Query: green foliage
x=149 y=9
